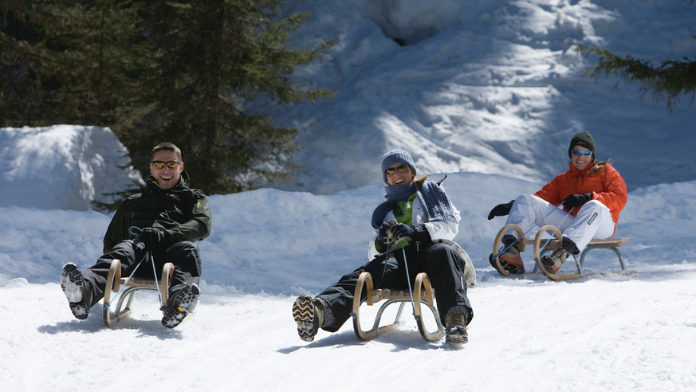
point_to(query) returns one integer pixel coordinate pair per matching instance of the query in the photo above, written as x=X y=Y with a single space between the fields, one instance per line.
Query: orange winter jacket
x=607 y=187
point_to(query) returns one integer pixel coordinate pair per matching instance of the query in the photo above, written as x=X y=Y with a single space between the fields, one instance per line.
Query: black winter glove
x=500 y=210
x=383 y=236
x=152 y=237
x=404 y=232
x=577 y=200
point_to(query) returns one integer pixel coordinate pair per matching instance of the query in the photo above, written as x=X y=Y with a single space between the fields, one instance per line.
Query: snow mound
x=62 y=167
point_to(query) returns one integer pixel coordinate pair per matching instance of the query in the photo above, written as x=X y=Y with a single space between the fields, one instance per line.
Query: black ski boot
x=77 y=290
x=309 y=316
x=181 y=304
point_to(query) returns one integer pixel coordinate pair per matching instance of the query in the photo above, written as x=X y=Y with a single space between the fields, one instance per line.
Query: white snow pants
x=592 y=221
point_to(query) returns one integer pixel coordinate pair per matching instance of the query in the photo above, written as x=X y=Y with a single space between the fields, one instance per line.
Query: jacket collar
x=577 y=172
x=152 y=185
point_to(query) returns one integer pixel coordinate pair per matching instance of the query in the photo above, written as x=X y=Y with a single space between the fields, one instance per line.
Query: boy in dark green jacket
x=171 y=216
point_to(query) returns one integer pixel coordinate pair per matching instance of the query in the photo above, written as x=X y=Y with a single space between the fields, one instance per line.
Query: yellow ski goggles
x=170 y=164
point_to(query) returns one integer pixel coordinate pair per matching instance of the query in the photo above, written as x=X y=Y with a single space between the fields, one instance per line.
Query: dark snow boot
x=181 y=304
x=456 y=328
x=76 y=290
x=309 y=316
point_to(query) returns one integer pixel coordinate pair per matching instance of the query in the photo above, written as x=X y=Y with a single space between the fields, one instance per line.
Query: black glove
x=577 y=200
x=500 y=210
x=152 y=237
x=418 y=233
x=383 y=236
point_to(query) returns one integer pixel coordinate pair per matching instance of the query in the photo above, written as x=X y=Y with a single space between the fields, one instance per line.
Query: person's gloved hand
x=577 y=200
x=402 y=232
x=500 y=210
x=383 y=236
x=152 y=237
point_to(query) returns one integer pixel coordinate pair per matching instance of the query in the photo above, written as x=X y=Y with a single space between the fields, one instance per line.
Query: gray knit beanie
x=396 y=156
x=583 y=139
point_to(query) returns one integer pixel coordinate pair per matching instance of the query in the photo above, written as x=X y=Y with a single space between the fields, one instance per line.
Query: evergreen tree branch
x=668 y=82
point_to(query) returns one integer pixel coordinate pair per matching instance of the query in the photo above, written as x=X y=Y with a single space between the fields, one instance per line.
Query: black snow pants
x=184 y=255
x=445 y=269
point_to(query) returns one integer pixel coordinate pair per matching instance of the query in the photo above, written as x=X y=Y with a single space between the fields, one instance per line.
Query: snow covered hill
x=495 y=88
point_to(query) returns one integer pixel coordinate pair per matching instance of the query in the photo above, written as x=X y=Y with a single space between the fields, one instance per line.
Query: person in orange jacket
x=592 y=194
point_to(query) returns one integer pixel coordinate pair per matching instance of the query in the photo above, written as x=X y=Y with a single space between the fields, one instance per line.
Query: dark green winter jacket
x=183 y=213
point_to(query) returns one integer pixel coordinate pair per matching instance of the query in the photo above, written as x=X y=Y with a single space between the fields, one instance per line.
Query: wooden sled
x=114 y=281
x=422 y=293
x=543 y=245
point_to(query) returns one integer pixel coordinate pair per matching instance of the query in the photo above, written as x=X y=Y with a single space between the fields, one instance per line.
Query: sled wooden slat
x=542 y=245
x=114 y=281
x=423 y=293
x=609 y=242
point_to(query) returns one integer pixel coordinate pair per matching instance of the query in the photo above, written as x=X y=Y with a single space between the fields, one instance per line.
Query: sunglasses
x=170 y=164
x=578 y=152
x=401 y=169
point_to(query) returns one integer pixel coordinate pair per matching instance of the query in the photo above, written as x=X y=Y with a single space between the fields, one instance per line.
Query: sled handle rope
x=136 y=231
x=129 y=278
x=541 y=251
x=408 y=279
x=393 y=243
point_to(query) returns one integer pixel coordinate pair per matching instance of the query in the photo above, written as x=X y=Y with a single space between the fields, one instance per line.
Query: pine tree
x=155 y=70
x=668 y=82
x=215 y=57
x=68 y=62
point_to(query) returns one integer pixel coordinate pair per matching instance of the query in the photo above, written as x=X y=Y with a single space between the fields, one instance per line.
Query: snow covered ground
x=491 y=87
x=608 y=333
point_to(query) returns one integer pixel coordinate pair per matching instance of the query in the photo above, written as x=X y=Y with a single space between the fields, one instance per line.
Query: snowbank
x=62 y=167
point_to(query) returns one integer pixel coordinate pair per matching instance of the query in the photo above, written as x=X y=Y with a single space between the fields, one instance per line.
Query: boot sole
x=457 y=338
x=71 y=283
x=187 y=300
x=303 y=313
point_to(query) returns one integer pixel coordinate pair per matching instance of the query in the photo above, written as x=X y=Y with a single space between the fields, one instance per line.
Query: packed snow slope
x=610 y=333
x=487 y=86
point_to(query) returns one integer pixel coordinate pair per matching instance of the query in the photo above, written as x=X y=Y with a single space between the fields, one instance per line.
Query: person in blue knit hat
x=419 y=217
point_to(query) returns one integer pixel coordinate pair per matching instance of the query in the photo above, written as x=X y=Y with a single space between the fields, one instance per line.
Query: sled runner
x=423 y=293
x=114 y=281
x=542 y=245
